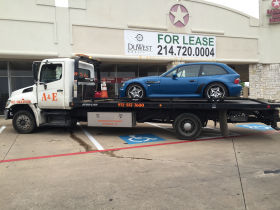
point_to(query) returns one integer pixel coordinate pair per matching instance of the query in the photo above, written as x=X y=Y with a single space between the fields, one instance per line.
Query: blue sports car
x=213 y=81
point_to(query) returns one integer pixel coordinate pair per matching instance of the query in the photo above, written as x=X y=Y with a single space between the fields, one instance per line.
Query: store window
x=125 y=72
x=4 y=91
x=161 y=69
x=21 y=74
x=3 y=69
x=108 y=73
x=148 y=70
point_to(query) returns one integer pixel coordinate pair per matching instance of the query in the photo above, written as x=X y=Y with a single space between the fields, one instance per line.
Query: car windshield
x=165 y=72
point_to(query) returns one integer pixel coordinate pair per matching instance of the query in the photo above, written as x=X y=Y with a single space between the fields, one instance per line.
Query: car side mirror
x=174 y=76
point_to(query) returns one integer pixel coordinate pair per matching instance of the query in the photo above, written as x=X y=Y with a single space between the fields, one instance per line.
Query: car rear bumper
x=234 y=90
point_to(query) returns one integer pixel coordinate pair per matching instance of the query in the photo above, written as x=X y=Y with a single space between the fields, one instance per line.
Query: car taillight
x=236 y=81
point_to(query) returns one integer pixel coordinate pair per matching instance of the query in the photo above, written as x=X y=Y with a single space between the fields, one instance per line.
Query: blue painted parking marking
x=256 y=127
x=141 y=138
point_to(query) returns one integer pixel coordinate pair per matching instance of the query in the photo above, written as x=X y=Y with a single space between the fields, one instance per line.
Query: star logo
x=276 y=4
x=179 y=15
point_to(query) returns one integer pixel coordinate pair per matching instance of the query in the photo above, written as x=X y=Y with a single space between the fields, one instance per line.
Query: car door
x=50 y=87
x=181 y=82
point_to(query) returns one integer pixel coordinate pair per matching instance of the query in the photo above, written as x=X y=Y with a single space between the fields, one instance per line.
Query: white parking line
x=2 y=129
x=91 y=138
x=156 y=125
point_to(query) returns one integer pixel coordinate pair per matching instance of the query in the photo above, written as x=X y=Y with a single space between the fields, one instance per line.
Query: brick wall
x=265 y=81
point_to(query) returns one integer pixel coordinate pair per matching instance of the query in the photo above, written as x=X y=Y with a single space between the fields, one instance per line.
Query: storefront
x=139 y=38
x=13 y=76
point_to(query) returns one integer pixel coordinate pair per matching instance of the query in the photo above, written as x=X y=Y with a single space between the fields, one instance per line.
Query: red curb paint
x=134 y=147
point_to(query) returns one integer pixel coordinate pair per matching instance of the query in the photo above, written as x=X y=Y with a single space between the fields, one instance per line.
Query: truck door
x=50 y=87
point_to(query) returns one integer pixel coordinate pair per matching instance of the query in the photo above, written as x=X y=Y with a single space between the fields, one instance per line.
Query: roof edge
x=223 y=7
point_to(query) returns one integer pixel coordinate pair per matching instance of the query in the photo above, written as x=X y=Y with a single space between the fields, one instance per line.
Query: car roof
x=199 y=63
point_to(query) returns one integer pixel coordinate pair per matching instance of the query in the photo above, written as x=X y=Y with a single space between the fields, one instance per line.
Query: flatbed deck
x=196 y=104
x=187 y=116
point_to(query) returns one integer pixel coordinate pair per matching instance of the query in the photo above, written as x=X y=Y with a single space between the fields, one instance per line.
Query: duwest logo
x=139 y=47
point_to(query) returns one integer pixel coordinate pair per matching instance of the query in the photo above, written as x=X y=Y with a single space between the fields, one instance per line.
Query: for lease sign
x=145 y=43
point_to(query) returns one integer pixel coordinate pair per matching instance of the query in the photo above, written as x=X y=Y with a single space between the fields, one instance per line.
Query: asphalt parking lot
x=144 y=167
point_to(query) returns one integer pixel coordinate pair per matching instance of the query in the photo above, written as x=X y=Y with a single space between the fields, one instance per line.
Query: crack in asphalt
x=11 y=147
x=238 y=169
x=86 y=146
x=112 y=154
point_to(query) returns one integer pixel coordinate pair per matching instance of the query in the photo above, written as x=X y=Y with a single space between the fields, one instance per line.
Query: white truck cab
x=57 y=83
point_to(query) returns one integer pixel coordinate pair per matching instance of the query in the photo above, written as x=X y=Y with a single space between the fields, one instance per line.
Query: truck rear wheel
x=24 y=122
x=187 y=126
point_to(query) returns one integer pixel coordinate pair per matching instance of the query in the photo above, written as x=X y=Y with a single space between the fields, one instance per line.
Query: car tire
x=187 y=126
x=135 y=92
x=215 y=92
x=24 y=122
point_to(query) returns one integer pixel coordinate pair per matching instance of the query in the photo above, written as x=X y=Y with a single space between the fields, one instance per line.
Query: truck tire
x=24 y=122
x=187 y=126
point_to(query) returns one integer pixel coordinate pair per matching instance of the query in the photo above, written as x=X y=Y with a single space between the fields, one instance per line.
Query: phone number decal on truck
x=131 y=105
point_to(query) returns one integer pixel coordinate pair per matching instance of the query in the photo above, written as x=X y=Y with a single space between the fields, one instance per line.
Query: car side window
x=211 y=70
x=189 y=71
x=185 y=71
x=50 y=73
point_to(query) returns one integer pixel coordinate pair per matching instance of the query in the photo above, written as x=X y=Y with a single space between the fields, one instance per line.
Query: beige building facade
x=139 y=38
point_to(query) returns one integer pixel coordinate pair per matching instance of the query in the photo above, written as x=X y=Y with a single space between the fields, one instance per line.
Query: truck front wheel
x=24 y=122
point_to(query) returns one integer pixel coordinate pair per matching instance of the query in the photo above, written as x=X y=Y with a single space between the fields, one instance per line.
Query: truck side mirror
x=35 y=70
x=174 y=76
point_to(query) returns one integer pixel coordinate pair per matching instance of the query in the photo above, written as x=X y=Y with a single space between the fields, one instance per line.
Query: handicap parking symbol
x=141 y=138
x=255 y=127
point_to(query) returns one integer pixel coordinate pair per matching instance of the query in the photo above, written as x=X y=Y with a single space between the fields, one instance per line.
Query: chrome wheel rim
x=188 y=127
x=135 y=92
x=216 y=92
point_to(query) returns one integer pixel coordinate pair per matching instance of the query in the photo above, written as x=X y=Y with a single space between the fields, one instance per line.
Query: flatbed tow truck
x=64 y=94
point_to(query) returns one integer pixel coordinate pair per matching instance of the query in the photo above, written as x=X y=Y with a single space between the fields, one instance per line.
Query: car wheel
x=24 y=122
x=216 y=92
x=135 y=91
